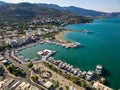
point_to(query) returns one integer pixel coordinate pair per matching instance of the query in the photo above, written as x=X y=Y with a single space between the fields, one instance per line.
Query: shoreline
x=60 y=35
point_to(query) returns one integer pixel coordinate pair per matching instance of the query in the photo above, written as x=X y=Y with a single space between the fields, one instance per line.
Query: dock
x=83 y=31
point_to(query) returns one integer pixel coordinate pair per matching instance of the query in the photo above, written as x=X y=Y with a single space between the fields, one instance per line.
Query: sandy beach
x=59 y=36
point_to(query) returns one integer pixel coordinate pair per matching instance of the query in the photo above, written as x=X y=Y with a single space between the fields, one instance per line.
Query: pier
x=83 y=31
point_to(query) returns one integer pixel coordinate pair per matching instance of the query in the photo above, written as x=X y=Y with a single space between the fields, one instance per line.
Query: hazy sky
x=99 y=5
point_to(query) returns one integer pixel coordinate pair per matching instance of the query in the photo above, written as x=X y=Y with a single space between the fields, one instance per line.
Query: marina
x=96 y=50
x=16 y=52
x=87 y=75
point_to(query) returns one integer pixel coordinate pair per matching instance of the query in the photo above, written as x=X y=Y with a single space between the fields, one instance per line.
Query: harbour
x=97 y=50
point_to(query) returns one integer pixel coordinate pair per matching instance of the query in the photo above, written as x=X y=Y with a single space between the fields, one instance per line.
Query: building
x=72 y=88
x=1 y=71
x=100 y=86
x=49 y=85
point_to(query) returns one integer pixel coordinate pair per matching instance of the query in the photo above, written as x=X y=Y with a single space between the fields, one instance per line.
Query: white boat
x=98 y=69
x=83 y=74
x=89 y=75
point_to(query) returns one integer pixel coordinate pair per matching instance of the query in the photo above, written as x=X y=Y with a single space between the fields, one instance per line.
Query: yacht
x=89 y=75
x=98 y=69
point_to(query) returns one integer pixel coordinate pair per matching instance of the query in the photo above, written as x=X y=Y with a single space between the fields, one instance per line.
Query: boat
x=83 y=74
x=99 y=69
x=46 y=52
x=87 y=31
x=89 y=75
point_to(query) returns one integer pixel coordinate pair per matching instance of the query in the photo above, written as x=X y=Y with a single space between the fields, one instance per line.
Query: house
x=48 y=85
x=1 y=71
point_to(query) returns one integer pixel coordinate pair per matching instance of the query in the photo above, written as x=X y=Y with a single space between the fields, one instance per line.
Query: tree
x=34 y=78
x=2 y=48
x=10 y=68
x=8 y=46
x=30 y=65
x=57 y=84
x=83 y=84
x=67 y=88
x=74 y=79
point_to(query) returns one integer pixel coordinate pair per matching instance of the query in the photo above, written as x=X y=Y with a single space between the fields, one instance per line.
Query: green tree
x=83 y=84
x=10 y=68
x=57 y=84
x=2 y=48
x=74 y=79
x=34 y=78
x=67 y=88
x=8 y=46
x=30 y=65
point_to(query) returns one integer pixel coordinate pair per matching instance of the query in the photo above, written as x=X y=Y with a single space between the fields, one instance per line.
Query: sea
x=100 y=47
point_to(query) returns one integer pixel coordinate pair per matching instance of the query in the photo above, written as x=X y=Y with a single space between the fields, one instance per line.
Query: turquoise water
x=100 y=47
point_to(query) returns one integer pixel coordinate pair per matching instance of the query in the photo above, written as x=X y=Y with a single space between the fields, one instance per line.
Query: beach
x=59 y=36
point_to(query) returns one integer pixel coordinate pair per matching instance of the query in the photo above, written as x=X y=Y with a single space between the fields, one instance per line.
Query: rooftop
x=48 y=84
x=100 y=86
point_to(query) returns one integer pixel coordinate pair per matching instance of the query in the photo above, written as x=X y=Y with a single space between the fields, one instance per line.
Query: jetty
x=65 y=45
x=46 y=53
x=83 y=31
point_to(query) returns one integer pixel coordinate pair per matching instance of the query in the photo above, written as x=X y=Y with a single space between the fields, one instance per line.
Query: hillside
x=75 y=10
x=82 y=11
x=27 y=11
x=2 y=3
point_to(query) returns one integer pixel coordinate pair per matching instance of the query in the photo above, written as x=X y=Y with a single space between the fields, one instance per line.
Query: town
x=20 y=73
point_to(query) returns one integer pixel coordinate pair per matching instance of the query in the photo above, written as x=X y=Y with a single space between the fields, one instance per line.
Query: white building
x=49 y=85
x=100 y=86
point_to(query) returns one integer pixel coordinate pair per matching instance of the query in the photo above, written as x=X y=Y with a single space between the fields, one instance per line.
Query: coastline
x=60 y=35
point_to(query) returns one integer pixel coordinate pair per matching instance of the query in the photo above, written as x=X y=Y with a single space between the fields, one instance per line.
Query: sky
x=99 y=5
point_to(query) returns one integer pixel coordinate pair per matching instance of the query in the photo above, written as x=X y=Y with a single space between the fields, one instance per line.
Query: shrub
x=30 y=65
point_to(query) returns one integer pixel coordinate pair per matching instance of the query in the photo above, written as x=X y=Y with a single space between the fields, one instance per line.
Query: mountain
x=116 y=14
x=53 y=6
x=75 y=10
x=82 y=11
x=2 y=3
x=28 y=11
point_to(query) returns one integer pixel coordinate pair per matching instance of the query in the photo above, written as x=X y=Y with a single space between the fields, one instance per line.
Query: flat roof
x=48 y=84
x=100 y=86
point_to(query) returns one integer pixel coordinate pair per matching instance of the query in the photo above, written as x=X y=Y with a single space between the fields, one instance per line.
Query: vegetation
x=83 y=84
x=2 y=48
x=14 y=71
x=57 y=84
x=34 y=78
x=10 y=68
x=30 y=65
x=21 y=31
x=8 y=46
x=53 y=68
x=74 y=79
x=26 y=12
x=67 y=88
x=49 y=35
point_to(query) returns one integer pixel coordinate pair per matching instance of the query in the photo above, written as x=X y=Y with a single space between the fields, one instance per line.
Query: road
x=26 y=70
